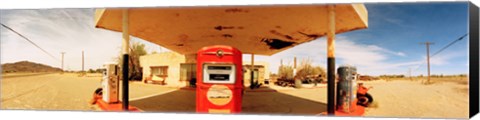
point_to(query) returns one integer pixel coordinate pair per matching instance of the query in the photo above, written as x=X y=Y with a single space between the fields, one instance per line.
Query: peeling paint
x=220 y=28
x=310 y=35
x=289 y=37
x=276 y=43
x=280 y=34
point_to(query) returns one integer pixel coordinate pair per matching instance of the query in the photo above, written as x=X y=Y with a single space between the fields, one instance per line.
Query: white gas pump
x=110 y=83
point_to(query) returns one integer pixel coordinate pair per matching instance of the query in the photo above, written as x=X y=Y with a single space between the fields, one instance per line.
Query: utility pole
x=83 y=70
x=281 y=62
x=294 y=66
x=63 y=53
x=428 y=59
x=410 y=73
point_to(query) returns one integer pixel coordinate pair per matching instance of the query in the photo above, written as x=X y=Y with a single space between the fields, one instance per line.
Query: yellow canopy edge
x=261 y=29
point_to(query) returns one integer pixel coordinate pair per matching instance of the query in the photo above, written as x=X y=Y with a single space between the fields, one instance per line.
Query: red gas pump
x=219 y=80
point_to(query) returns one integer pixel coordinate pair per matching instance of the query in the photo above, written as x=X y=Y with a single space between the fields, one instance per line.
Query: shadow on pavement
x=279 y=103
x=182 y=101
x=254 y=102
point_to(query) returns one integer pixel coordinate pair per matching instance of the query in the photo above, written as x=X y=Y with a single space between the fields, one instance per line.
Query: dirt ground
x=48 y=92
x=59 y=92
x=403 y=98
x=393 y=98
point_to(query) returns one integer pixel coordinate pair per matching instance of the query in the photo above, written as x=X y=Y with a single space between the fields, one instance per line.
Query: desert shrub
x=306 y=69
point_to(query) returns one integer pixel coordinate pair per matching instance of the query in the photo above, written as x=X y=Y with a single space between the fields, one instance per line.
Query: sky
x=390 y=45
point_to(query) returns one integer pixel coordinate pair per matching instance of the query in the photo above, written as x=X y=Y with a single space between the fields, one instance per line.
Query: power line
x=453 y=42
x=450 y=44
x=28 y=40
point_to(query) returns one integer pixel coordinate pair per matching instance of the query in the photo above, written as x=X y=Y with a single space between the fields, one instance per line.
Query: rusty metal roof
x=261 y=29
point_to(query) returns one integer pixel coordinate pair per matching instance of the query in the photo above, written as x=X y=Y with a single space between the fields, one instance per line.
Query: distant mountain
x=27 y=66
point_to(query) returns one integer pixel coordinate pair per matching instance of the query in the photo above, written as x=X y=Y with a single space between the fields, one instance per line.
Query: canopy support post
x=252 y=68
x=125 y=48
x=331 y=61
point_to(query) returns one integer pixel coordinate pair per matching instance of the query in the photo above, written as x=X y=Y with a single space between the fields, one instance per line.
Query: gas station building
x=253 y=30
x=178 y=69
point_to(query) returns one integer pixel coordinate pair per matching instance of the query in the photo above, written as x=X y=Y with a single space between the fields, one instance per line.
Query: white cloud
x=369 y=59
x=57 y=30
x=443 y=59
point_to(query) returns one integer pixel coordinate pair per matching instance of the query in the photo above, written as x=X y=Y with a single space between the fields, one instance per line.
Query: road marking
x=143 y=97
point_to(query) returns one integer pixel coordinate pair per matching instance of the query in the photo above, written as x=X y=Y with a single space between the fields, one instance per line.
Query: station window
x=160 y=71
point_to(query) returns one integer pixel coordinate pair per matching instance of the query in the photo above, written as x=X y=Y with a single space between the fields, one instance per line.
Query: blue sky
x=389 y=46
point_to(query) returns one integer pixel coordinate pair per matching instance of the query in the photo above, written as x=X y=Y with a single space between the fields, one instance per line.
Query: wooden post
x=428 y=60
x=83 y=65
x=410 y=74
x=331 y=61
x=125 y=46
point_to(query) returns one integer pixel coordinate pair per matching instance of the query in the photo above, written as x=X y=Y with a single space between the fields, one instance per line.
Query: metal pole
x=331 y=61
x=126 y=44
x=251 y=72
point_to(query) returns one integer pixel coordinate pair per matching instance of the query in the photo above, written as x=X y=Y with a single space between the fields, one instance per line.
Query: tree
x=137 y=49
x=285 y=72
x=306 y=69
x=91 y=71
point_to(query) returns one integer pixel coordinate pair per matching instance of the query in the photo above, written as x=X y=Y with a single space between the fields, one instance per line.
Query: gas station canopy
x=261 y=30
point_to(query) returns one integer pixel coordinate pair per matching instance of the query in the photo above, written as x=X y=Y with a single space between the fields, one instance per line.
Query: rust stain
x=236 y=10
x=278 y=27
x=227 y=35
x=280 y=34
x=289 y=37
x=179 y=44
x=310 y=35
x=220 y=28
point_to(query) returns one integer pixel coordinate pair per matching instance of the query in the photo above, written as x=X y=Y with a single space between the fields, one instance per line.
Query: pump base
x=112 y=106
x=359 y=111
